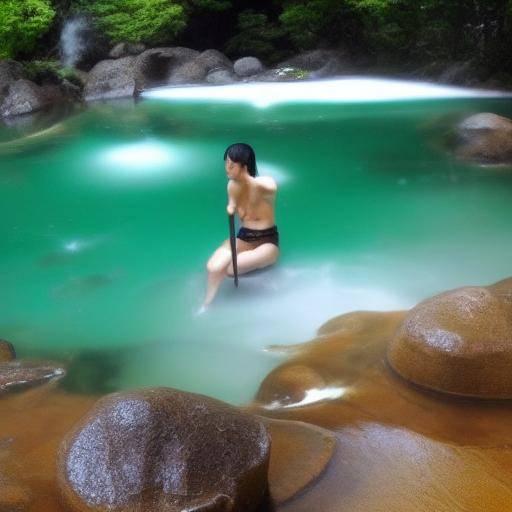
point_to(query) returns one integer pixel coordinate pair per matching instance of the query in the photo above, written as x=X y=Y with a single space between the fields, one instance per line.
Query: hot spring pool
x=110 y=215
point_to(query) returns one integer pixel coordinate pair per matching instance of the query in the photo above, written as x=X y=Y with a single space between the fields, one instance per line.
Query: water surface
x=110 y=215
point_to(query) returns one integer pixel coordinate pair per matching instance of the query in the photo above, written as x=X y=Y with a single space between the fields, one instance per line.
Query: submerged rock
x=163 y=449
x=458 y=342
x=288 y=385
x=300 y=453
x=15 y=375
x=248 y=66
x=485 y=138
x=7 y=352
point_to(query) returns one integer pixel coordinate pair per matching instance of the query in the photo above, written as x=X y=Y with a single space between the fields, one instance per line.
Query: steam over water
x=104 y=264
x=72 y=40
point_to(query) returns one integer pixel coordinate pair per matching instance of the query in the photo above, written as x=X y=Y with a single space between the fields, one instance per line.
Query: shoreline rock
x=458 y=342
x=130 y=69
x=485 y=138
x=7 y=352
x=18 y=375
x=161 y=448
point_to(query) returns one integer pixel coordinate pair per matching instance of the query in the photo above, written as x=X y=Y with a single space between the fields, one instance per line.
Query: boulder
x=220 y=77
x=197 y=69
x=111 y=79
x=16 y=375
x=458 y=342
x=125 y=49
x=153 y=67
x=24 y=97
x=164 y=449
x=287 y=385
x=300 y=453
x=314 y=60
x=213 y=59
x=248 y=66
x=7 y=352
x=187 y=73
x=10 y=71
x=485 y=138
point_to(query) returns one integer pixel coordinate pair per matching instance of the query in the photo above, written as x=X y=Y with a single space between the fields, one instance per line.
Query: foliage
x=39 y=70
x=316 y=22
x=257 y=36
x=22 y=23
x=148 y=21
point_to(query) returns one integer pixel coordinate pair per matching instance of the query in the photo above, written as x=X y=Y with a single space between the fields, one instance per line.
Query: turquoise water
x=110 y=215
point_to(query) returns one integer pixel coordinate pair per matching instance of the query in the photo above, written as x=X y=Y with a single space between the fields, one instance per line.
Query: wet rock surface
x=125 y=49
x=19 y=375
x=167 y=450
x=458 y=342
x=111 y=79
x=485 y=138
x=248 y=66
x=300 y=453
x=154 y=66
x=10 y=71
x=23 y=97
x=7 y=352
x=221 y=77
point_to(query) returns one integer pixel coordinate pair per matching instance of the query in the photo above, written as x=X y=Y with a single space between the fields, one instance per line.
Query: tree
x=22 y=23
x=152 y=22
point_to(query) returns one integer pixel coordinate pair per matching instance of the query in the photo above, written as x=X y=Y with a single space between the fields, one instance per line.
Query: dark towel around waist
x=259 y=236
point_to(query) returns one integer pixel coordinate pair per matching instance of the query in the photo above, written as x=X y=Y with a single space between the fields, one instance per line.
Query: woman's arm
x=232 y=189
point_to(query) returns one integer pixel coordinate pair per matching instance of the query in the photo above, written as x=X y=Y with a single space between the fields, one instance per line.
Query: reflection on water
x=112 y=217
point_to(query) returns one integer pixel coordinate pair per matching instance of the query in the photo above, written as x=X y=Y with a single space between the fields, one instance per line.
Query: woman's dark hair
x=242 y=154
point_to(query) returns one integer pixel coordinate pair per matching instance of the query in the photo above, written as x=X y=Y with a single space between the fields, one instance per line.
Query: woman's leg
x=216 y=267
x=252 y=259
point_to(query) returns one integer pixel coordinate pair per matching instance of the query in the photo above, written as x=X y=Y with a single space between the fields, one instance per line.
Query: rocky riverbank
x=349 y=420
x=131 y=69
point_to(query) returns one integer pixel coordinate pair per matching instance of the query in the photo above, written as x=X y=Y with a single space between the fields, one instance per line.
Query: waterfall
x=73 y=42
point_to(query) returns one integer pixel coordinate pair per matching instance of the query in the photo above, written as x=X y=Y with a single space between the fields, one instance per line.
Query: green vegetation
x=22 y=23
x=146 y=21
x=399 y=33
x=40 y=70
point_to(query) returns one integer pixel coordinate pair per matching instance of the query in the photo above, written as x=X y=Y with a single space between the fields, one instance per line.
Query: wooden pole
x=232 y=240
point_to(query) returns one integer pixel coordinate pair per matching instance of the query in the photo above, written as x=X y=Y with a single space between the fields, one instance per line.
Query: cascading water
x=73 y=41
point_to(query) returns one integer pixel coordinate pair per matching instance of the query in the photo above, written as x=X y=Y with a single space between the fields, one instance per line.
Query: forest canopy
x=387 y=31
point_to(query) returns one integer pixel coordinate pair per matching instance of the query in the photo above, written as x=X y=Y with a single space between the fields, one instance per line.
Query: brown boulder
x=163 y=449
x=288 y=385
x=300 y=453
x=458 y=342
x=485 y=138
x=7 y=352
x=15 y=375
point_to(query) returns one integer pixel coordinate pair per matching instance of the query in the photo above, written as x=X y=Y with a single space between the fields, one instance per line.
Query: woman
x=252 y=198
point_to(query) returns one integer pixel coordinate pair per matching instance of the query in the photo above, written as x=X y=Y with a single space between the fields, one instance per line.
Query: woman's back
x=255 y=201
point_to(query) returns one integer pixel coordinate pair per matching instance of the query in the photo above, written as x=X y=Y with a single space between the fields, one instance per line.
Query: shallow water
x=110 y=215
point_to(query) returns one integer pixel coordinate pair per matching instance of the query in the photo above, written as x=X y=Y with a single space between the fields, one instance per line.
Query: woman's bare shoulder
x=267 y=182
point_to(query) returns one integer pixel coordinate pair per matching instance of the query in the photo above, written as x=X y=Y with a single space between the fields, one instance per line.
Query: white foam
x=312 y=396
x=343 y=90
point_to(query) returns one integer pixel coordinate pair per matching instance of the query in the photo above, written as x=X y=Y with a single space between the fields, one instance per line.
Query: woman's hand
x=230 y=209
